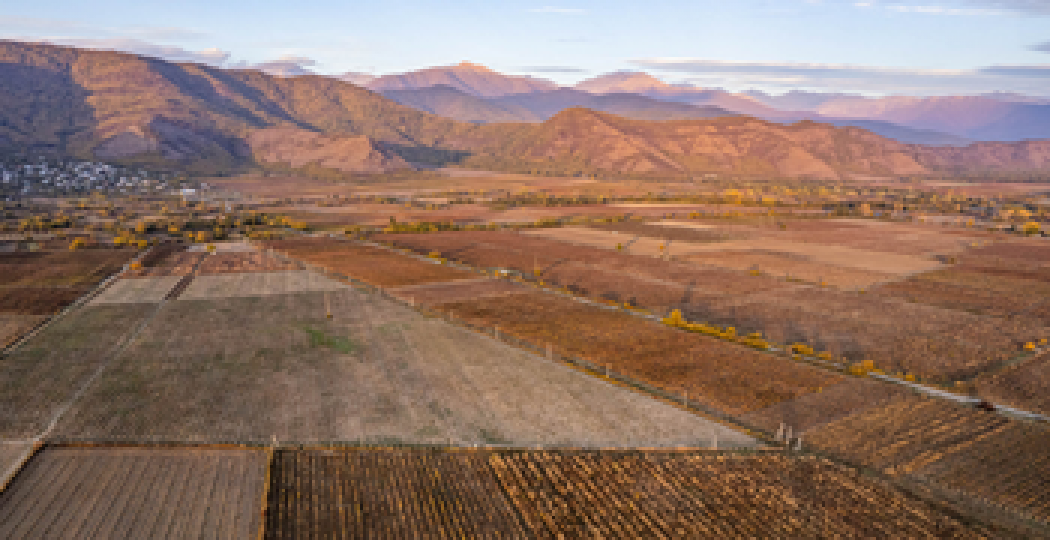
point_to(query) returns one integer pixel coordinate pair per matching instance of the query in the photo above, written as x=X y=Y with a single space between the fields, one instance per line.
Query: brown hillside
x=108 y=105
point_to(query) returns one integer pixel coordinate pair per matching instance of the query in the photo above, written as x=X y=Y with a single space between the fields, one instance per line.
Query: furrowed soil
x=388 y=493
x=262 y=367
x=69 y=492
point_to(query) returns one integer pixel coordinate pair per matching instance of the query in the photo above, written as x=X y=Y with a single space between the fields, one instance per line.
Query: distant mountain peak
x=621 y=82
x=470 y=66
x=467 y=77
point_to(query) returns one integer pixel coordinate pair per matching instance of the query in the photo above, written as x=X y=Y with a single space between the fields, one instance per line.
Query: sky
x=871 y=47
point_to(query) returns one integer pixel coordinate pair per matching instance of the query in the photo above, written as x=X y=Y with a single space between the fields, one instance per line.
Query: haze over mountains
x=117 y=106
x=498 y=98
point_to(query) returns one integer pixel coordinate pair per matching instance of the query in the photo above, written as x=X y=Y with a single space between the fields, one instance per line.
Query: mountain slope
x=89 y=103
x=974 y=117
x=98 y=104
x=547 y=104
x=466 y=77
x=451 y=103
x=590 y=140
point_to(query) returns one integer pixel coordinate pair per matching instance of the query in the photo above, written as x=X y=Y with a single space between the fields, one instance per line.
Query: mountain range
x=117 y=106
x=497 y=98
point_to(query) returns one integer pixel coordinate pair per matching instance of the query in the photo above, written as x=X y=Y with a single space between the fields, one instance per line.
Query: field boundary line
x=12 y=471
x=1002 y=410
x=85 y=298
x=577 y=363
x=116 y=351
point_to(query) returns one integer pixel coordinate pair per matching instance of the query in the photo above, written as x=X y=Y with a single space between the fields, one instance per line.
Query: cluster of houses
x=49 y=178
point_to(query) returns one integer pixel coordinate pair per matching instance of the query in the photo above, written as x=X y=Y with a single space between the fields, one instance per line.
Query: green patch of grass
x=492 y=437
x=337 y=343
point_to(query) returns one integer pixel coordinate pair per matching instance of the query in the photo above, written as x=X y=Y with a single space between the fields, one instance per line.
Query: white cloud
x=964 y=7
x=1041 y=47
x=285 y=66
x=551 y=9
x=212 y=56
x=941 y=10
x=1024 y=79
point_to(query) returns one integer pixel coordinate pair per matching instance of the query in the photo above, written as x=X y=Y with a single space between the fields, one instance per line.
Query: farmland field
x=60 y=269
x=136 y=290
x=980 y=453
x=372 y=265
x=726 y=376
x=376 y=372
x=44 y=372
x=833 y=402
x=1025 y=385
x=936 y=343
x=14 y=325
x=454 y=291
x=648 y=495
x=11 y=453
x=388 y=493
x=70 y=492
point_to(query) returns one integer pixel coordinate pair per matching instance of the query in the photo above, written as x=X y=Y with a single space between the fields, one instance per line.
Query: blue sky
x=918 y=47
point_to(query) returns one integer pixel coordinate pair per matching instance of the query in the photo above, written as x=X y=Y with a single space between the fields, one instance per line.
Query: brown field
x=655 y=495
x=811 y=411
x=38 y=300
x=11 y=454
x=728 y=377
x=1024 y=386
x=178 y=263
x=934 y=342
x=69 y=492
x=219 y=286
x=456 y=291
x=243 y=262
x=369 y=264
x=43 y=373
x=981 y=453
x=60 y=269
x=387 y=493
x=789 y=265
x=254 y=368
x=655 y=230
x=13 y=326
x=140 y=290
x=1007 y=468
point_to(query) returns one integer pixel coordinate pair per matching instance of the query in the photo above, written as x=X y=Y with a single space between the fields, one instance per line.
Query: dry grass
x=249 y=369
x=45 y=371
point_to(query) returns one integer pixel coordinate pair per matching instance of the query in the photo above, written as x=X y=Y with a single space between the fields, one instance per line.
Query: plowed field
x=135 y=493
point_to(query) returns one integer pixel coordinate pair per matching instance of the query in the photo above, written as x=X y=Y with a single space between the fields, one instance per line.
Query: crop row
x=978 y=452
x=933 y=342
x=1025 y=385
x=386 y=494
x=641 y=495
x=369 y=264
x=727 y=376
